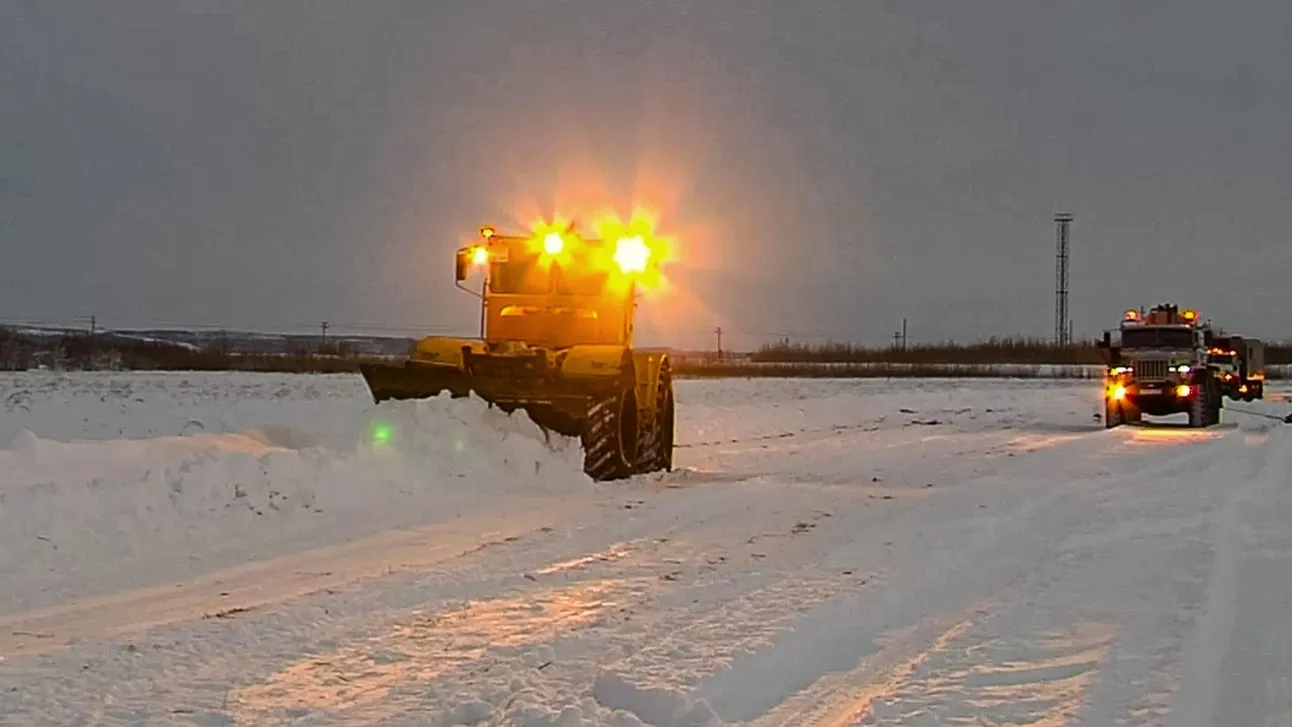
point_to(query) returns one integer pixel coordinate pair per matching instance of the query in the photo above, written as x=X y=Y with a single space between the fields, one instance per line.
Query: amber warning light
x=632 y=254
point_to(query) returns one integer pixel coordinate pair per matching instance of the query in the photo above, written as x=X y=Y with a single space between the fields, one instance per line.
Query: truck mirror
x=1106 y=341
x=1208 y=338
x=462 y=265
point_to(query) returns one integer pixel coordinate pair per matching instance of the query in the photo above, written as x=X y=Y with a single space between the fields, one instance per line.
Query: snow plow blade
x=617 y=401
x=560 y=406
x=410 y=380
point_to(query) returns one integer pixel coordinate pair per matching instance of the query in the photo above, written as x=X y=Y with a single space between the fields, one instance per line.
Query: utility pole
x=718 y=330
x=323 y=346
x=903 y=334
x=94 y=320
x=897 y=340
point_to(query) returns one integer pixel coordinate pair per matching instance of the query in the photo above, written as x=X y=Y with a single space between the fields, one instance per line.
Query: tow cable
x=1286 y=420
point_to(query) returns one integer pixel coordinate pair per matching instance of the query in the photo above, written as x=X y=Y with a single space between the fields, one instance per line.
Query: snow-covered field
x=258 y=549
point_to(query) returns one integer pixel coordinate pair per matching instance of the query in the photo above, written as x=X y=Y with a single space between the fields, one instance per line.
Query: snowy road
x=830 y=553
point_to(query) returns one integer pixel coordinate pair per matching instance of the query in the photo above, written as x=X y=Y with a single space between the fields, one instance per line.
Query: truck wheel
x=610 y=436
x=1131 y=413
x=1200 y=409
x=656 y=444
x=1113 y=415
x=1204 y=410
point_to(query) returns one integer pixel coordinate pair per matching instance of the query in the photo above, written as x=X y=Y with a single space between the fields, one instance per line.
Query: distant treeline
x=1030 y=351
x=86 y=352
x=996 y=357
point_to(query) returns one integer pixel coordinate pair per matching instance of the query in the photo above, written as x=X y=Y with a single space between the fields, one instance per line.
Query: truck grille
x=1150 y=370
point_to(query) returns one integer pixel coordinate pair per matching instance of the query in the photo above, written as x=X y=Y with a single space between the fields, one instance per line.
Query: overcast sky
x=828 y=167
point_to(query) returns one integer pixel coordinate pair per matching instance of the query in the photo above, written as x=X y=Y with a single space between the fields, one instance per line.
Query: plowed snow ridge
x=77 y=517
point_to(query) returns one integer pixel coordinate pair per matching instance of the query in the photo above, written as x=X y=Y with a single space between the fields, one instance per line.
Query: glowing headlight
x=553 y=243
x=480 y=256
x=631 y=254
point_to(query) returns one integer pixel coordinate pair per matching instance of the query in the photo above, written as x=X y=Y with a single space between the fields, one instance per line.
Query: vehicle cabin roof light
x=487 y=232
x=631 y=254
x=1190 y=315
x=1131 y=315
x=553 y=243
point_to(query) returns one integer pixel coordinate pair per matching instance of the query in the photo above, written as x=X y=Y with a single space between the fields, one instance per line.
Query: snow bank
x=116 y=513
x=68 y=406
x=654 y=705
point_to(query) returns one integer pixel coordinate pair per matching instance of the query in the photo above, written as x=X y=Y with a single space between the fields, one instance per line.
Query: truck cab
x=1158 y=365
x=1240 y=365
x=1225 y=367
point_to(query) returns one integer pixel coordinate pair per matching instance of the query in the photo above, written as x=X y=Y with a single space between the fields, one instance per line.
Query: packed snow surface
x=249 y=549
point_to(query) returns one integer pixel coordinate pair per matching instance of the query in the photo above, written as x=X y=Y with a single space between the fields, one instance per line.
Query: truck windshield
x=520 y=275
x=575 y=281
x=1157 y=338
x=528 y=276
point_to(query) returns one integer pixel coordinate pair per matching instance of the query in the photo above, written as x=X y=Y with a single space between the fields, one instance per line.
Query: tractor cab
x=556 y=288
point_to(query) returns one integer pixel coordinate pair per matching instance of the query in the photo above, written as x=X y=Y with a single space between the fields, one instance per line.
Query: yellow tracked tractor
x=556 y=330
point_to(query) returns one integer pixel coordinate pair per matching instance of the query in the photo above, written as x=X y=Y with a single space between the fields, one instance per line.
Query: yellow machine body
x=555 y=341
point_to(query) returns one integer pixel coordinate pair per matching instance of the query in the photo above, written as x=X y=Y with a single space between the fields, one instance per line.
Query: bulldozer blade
x=552 y=411
x=411 y=380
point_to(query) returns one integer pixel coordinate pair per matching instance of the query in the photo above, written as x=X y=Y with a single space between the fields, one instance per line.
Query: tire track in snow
x=578 y=607
x=258 y=584
x=965 y=675
x=1209 y=661
x=839 y=700
x=824 y=647
x=822 y=641
x=1157 y=581
x=1067 y=599
x=358 y=683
